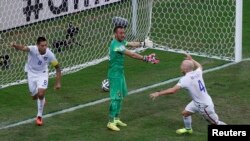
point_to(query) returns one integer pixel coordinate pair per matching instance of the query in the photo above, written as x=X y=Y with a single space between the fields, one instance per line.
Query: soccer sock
x=187 y=122
x=221 y=123
x=112 y=110
x=40 y=105
x=119 y=104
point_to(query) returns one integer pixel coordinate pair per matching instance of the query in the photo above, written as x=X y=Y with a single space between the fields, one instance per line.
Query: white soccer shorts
x=37 y=81
x=207 y=111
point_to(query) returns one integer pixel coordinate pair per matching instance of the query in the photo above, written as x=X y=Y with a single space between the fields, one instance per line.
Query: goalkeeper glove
x=151 y=58
x=147 y=43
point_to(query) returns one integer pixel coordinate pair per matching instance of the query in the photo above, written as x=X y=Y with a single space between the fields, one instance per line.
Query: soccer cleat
x=39 y=121
x=112 y=126
x=119 y=122
x=184 y=131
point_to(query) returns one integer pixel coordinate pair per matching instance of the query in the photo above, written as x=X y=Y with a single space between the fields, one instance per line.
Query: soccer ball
x=105 y=85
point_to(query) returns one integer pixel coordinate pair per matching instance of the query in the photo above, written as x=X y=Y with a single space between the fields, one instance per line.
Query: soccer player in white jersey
x=201 y=101
x=39 y=56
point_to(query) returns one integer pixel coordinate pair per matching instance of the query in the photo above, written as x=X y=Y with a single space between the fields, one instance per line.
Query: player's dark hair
x=117 y=27
x=40 y=39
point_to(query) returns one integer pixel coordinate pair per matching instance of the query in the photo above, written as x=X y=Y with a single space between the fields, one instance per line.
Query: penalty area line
x=107 y=99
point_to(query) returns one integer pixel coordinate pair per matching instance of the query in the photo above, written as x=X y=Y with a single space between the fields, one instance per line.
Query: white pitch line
x=107 y=99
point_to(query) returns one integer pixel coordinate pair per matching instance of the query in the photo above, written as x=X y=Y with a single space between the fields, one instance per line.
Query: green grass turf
x=147 y=120
x=84 y=86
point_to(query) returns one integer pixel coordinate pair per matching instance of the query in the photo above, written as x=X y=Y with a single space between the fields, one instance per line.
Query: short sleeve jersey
x=194 y=83
x=38 y=63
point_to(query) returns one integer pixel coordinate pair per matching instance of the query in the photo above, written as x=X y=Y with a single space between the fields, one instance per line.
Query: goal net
x=201 y=27
x=78 y=31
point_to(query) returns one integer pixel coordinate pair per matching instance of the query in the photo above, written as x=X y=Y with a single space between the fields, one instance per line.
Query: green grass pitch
x=147 y=120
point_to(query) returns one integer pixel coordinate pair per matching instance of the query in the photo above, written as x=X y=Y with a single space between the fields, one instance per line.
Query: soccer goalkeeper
x=118 y=87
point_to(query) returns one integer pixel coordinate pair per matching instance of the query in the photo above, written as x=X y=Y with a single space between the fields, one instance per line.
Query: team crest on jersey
x=45 y=58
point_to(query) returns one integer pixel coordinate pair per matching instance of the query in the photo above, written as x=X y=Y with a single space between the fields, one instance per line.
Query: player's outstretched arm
x=150 y=58
x=20 y=47
x=134 y=44
x=58 y=77
x=146 y=43
x=196 y=64
x=133 y=54
x=168 y=91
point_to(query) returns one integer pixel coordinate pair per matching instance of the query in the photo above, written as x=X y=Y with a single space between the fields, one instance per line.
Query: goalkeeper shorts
x=118 y=88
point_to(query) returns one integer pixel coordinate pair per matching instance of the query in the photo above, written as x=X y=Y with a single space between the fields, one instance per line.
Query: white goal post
x=238 y=30
x=78 y=31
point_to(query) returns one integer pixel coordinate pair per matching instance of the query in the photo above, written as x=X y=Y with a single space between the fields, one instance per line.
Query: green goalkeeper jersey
x=116 y=58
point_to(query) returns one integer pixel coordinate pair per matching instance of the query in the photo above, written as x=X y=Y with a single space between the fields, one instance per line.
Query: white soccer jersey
x=194 y=83
x=38 y=63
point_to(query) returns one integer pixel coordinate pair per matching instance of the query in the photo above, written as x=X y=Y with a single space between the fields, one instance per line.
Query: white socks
x=221 y=123
x=40 y=105
x=187 y=122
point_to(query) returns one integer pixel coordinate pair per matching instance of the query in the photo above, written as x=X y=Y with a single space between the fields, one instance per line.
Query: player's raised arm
x=196 y=64
x=20 y=47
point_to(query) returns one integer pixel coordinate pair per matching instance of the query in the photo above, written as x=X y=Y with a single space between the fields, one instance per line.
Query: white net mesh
x=78 y=31
x=202 y=27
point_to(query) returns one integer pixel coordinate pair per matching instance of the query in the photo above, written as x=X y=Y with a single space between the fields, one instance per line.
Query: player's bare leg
x=35 y=97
